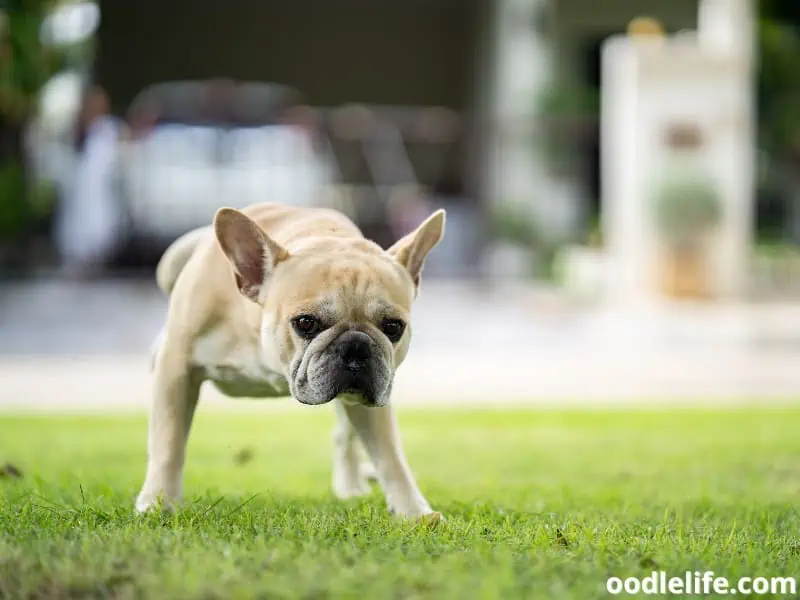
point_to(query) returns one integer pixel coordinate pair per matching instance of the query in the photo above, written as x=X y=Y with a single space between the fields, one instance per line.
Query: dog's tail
x=175 y=258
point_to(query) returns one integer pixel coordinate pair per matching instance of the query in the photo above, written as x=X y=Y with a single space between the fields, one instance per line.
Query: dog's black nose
x=355 y=349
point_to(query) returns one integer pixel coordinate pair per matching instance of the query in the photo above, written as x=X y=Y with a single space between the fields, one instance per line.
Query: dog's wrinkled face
x=343 y=327
x=336 y=314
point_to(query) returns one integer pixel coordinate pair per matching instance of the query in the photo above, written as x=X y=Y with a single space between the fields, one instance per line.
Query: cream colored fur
x=236 y=290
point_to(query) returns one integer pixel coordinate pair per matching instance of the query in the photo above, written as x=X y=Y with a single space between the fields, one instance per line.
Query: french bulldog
x=275 y=301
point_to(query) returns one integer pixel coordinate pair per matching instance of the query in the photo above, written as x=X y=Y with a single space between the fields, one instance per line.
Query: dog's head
x=335 y=314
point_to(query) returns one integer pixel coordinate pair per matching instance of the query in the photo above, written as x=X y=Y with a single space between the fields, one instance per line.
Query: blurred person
x=90 y=220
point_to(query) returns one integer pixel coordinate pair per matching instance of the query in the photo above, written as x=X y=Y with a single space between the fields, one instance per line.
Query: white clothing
x=90 y=219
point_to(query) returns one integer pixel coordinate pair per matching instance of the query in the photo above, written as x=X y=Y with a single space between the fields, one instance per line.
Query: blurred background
x=621 y=180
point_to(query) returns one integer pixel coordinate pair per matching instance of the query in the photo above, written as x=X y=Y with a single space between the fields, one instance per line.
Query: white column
x=624 y=224
x=728 y=27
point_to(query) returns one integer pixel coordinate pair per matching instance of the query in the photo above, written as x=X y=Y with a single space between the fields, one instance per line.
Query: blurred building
x=487 y=62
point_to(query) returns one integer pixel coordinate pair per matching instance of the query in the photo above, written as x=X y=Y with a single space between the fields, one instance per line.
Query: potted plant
x=686 y=209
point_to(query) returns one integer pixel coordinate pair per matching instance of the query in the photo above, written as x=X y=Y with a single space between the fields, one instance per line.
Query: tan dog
x=274 y=301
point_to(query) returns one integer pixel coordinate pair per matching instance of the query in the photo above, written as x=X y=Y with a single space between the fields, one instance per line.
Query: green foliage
x=540 y=504
x=779 y=89
x=685 y=208
x=14 y=215
x=595 y=237
x=514 y=224
x=569 y=102
x=24 y=67
x=566 y=115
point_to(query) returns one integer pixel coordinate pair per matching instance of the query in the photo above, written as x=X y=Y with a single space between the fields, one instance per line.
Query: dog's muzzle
x=355 y=370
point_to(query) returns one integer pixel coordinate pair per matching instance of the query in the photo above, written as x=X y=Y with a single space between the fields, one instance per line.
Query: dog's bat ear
x=251 y=252
x=412 y=249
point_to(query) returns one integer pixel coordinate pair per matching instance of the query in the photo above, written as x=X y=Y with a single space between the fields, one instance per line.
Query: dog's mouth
x=355 y=385
x=360 y=392
x=354 y=397
x=328 y=378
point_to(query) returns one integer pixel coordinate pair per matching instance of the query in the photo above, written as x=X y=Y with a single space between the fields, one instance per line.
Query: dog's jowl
x=274 y=301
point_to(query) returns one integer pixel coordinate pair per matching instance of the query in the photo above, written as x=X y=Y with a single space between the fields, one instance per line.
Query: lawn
x=541 y=504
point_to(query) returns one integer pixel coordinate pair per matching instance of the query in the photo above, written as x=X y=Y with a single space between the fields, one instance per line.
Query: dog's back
x=176 y=256
x=282 y=222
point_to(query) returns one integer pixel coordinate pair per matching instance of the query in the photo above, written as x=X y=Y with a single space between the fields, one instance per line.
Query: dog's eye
x=393 y=329
x=306 y=325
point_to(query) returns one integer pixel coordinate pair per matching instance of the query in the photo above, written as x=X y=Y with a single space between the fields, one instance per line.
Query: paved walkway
x=71 y=347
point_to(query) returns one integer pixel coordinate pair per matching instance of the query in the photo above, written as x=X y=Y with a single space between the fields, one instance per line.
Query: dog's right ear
x=251 y=252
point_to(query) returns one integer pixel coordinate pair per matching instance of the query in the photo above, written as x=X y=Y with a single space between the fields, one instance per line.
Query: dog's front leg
x=176 y=390
x=377 y=428
x=351 y=472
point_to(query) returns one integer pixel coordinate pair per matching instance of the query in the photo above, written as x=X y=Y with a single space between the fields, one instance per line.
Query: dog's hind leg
x=352 y=471
x=176 y=391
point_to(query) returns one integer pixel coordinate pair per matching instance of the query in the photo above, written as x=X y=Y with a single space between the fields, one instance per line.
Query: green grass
x=540 y=505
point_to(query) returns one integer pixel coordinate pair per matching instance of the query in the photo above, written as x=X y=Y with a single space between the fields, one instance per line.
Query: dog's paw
x=427 y=517
x=155 y=502
x=432 y=520
x=353 y=479
x=350 y=487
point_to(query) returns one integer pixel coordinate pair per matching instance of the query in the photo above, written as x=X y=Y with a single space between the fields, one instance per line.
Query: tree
x=24 y=67
x=778 y=101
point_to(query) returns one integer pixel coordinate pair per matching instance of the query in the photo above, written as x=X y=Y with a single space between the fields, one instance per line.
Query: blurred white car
x=175 y=176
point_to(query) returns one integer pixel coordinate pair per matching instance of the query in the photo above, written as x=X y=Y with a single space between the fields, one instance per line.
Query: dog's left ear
x=412 y=249
x=251 y=252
